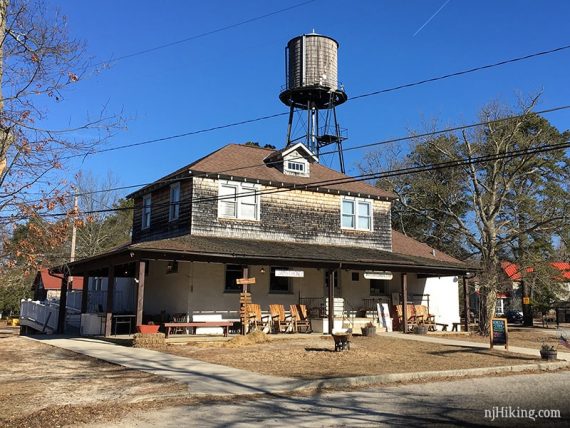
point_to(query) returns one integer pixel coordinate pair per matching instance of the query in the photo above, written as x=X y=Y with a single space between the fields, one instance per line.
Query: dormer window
x=295 y=167
x=292 y=160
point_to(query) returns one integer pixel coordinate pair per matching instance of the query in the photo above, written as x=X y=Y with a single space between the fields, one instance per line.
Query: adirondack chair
x=280 y=321
x=301 y=320
x=256 y=320
x=411 y=314
x=424 y=317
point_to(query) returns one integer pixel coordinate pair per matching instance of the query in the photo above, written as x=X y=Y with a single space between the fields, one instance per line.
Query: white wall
x=123 y=299
x=444 y=296
x=200 y=287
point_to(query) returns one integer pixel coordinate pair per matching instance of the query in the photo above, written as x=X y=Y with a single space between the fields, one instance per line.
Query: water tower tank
x=312 y=72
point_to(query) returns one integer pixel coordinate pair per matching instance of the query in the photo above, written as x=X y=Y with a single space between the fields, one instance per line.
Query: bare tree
x=503 y=208
x=37 y=62
x=102 y=229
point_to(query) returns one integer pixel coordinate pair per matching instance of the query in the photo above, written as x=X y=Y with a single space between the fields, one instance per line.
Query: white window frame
x=174 y=207
x=146 y=211
x=293 y=166
x=239 y=202
x=356 y=203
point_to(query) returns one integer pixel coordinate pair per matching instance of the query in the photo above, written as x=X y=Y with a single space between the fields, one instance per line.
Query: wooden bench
x=171 y=327
x=472 y=326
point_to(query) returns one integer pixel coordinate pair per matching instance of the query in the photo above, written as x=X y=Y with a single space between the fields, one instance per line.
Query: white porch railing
x=39 y=314
x=44 y=315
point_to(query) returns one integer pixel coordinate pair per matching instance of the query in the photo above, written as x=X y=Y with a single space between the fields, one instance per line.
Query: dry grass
x=36 y=379
x=313 y=357
x=531 y=338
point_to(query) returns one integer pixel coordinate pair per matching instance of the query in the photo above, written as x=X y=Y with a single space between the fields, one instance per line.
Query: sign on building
x=290 y=273
x=375 y=274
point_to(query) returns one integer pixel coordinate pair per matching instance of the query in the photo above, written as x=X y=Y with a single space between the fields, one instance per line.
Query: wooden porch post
x=85 y=293
x=62 y=304
x=139 y=276
x=466 y=320
x=332 y=273
x=405 y=301
x=243 y=301
x=109 y=308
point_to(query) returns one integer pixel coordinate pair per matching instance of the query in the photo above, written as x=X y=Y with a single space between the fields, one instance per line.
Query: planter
x=548 y=355
x=147 y=329
x=421 y=329
x=368 y=331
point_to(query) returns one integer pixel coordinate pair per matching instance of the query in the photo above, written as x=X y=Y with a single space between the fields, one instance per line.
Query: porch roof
x=260 y=252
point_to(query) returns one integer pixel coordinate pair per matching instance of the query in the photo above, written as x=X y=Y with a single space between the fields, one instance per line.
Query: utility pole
x=73 y=234
x=74 y=228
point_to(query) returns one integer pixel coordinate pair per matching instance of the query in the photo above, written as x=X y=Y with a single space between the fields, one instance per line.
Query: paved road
x=461 y=402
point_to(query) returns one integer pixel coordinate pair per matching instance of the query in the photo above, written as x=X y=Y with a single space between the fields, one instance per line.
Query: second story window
x=174 y=209
x=295 y=166
x=356 y=214
x=146 y=210
x=238 y=200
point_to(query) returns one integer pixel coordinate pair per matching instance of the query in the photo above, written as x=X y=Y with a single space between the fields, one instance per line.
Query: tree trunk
x=526 y=307
x=3 y=131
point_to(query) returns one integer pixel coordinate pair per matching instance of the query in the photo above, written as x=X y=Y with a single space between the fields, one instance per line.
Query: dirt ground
x=531 y=338
x=46 y=386
x=313 y=356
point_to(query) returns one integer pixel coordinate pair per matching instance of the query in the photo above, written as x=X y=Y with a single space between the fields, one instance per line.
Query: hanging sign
x=245 y=281
x=376 y=274
x=290 y=273
x=498 y=332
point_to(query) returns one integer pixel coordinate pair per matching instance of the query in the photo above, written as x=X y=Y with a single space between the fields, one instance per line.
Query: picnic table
x=173 y=327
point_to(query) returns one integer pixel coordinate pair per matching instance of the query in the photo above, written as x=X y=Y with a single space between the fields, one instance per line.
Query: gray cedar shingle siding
x=293 y=216
x=160 y=226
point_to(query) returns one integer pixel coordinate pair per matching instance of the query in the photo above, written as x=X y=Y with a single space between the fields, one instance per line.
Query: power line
x=365 y=95
x=462 y=72
x=204 y=34
x=345 y=180
x=358 y=147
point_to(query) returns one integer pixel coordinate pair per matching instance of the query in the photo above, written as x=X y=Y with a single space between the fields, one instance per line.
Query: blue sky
x=236 y=74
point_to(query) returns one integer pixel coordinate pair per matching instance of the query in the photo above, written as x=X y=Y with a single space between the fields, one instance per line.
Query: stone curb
x=359 y=381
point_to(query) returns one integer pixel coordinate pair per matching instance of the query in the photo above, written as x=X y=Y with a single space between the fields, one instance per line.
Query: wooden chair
x=280 y=321
x=257 y=321
x=424 y=317
x=178 y=318
x=300 y=319
x=411 y=313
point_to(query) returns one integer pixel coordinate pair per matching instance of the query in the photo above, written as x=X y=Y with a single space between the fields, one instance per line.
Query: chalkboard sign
x=499 y=333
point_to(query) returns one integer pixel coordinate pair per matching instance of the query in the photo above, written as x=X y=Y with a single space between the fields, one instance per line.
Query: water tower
x=312 y=90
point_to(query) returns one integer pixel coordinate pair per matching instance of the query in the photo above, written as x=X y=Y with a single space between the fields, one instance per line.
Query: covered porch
x=194 y=277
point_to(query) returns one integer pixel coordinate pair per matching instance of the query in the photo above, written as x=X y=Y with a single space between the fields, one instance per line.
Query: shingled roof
x=408 y=255
x=241 y=161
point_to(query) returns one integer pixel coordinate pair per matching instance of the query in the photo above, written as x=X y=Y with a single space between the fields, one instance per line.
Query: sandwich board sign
x=499 y=334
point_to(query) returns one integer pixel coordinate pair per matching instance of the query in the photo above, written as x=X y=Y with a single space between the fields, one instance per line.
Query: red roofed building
x=513 y=271
x=46 y=286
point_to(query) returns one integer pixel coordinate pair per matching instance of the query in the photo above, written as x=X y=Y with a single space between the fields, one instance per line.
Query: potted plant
x=548 y=352
x=369 y=329
x=149 y=328
x=421 y=328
